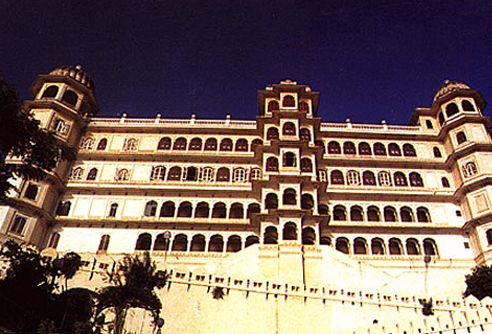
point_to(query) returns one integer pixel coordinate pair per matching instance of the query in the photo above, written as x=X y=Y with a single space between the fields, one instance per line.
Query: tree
x=479 y=282
x=21 y=137
x=134 y=287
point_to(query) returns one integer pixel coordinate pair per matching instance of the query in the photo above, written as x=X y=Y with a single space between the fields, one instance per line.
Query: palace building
x=306 y=225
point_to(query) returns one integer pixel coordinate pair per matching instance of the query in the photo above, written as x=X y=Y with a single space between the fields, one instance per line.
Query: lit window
x=384 y=179
x=353 y=178
x=206 y=174
x=469 y=169
x=322 y=177
x=239 y=175
x=18 y=225
x=255 y=174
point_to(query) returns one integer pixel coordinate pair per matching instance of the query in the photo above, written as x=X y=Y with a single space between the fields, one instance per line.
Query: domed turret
x=448 y=87
x=75 y=72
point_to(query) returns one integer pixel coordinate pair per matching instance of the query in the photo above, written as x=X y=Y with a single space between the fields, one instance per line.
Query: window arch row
x=389 y=246
x=363 y=148
x=386 y=214
x=382 y=178
x=210 y=144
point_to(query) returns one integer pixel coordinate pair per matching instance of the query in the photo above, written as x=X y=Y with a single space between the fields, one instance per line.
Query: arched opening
x=336 y=177
x=325 y=240
x=64 y=208
x=412 y=247
x=272 y=133
x=237 y=211
x=445 y=182
x=223 y=174
x=306 y=165
x=423 y=215
x=339 y=213
x=416 y=180
x=288 y=101
x=356 y=213
x=467 y=105
x=305 y=134
x=272 y=164
x=254 y=143
x=271 y=201
x=364 y=149
x=197 y=243
x=219 y=210
x=253 y=209
x=270 y=236
x=164 y=144
x=167 y=209
x=289 y=197
x=70 y=98
x=342 y=245
x=360 y=246
x=234 y=244
x=461 y=137
x=409 y=150
x=395 y=246
x=202 y=210
x=349 y=148
x=241 y=145
x=150 y=209
x=452 y=109
x=303 y=106
x=334 y=147
x=323 y=209
x=377 y=247
x=174 y=174
x=289 y=129
x=430 y=247
x=113 y=208
x=158 y=173
x=160 y=243
x=390 y=214
x=195 y=145
x=54 y=240
x=429 y=124
x=273 y=106
x=191 y=174
x=400 y=179
x=50 y=92
x=379 y=149
x=144 y=241
x=91 y=176
x=308 y=236
x=406 y=214
x=251 y=240
x=226 y=145
x=307 y=201
x=437 y=152
x=394 y=150
x=180 y=243
x=373 y=214
x=289 y=232
x=353 y=178
x=184 y=209
x=211 y=144
x=180 y=144
x=470 y=169
x=368 y=178
x=101 y=146
x=216 y=243
x=289 y=159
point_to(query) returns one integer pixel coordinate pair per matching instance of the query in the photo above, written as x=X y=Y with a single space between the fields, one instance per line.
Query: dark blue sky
x=370 y=60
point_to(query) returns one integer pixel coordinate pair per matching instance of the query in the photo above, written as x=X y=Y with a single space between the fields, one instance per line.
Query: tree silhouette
x=479 y=282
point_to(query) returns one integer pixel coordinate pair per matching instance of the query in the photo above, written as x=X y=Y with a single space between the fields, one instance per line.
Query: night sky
x=370 y=60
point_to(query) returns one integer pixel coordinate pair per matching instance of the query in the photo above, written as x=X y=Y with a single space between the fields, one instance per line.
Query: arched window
x=158 y=173
x=467 y=105
x=195 y=145
x=373 y=214
x=271 y=201
x=206 y=174
x=64 y=208
x=334 y=147
x=441 y=118
x=342 y=245
x=325 y=240
x=303 y=106
x=236 y=211
x=349 y=148
x=103 y=244
x=379 y=149
x=50 y=92
x=241 y=145
x=226 y=144
x=272 y=164
x=394 y=150
x=400 y=179
x=377 y=247
x=255 y=174
x=451 y=109
x=164 y=144
x=113 y=208
x=336 y=177
x=253 y=208
x=197 y=243
x=150 y=209
x=289 y=232
x=77 y=173
x=384 y=179
x=437 y=152
x=216 y=243
x=289 y=197
x=223 y=174
x=273 y=106
x=364 y=149
x=211 y=144
x=174 y=174
x=270 y=237
x=251 y=240
x=395 y=246
x=60 y=126
x=70 y=98
x=323 y=209
x=31 y=191
x=219 y=210
x=308 y=236
x=430 y=247
x=339 y=213
x=167 y=209
x=101 y=146
x=87 y=143
x=254 y=143
x=413 y=247
x=202 y=210
x=416 y=180
x=423 y=215
x=356 y=213
x=289 y=129
x=272 y=133
x=122 y=175
x=161 y=243
x=322 y=175
x=461 y=137
x=143 y=242
x=288 y=101
x=130 y=144
x=180 y=144
x=180 y=243
x=234 y=244
x=409 y=150
x=289 y=159
x=191 y=173
x=445 y=182
x=429 y=124
x=240 y=175
x=390 y=214
x=54 y=240
x=184 y=209
x=360 y=246
x=353 y=178
x=469 y=169
x=307 y=201
x=91 y=176
x=406 y=215
x=305 y=134
x=368 y=178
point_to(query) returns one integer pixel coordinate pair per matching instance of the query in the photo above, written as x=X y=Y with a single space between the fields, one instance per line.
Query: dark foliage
x=218 y=293
x=427 y=306
x=22 y=138
x=479 y=282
